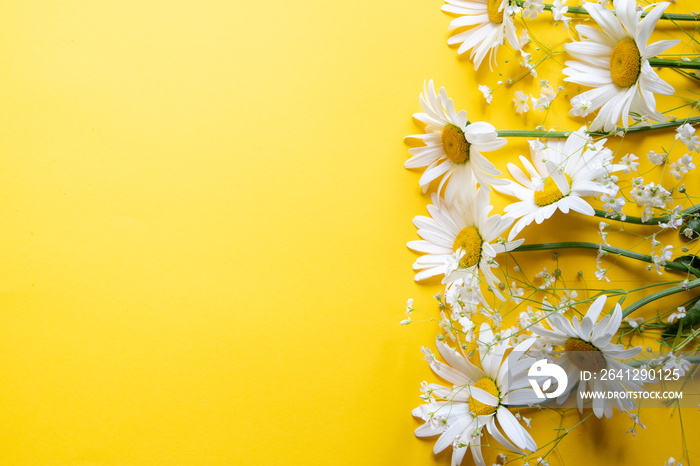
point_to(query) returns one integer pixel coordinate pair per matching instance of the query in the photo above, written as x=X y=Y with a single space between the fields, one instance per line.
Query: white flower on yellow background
x=453 y=146
x=464 y=227
x=588 y=347
x=478 y=398
x=614 y=62
x=560 y=175
x=489 y=23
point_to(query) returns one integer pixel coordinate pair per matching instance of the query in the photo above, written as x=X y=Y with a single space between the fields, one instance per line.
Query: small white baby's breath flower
x=516 y=293
x=520 y=101
x=600 y=275
x=580 y=106
x=685 y=134
x=634 y=323
x=657 y=159
x=558 y=10
x=487 y=93
x=548 y=279
x=532 y=8
x=679 y=314
x=628 y=161
x=524 y=39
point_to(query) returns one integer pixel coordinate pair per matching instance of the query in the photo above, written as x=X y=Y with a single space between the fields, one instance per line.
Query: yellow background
x=205 y=216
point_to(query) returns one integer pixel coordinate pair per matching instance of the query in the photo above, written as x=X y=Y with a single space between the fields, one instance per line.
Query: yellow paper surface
x=204 y=223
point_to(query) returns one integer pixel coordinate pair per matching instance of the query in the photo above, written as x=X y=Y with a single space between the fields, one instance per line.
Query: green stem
x=622 y=252
x=653 y=220
x=658 y=295
x=575 y=10
x=664 y=63
x=690 y=359
x=565 y=134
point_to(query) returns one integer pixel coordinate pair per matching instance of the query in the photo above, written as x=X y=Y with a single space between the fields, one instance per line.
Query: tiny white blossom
x=634 y=323
x=546 y=98
x=685 y=134
x=520 y=101
x=666 y=254
x=468 y=327
x=649 y=196
x=548 y=279
x=559 y=10
x=657 y=158
x=660 y=261
x=536 y=145
x=524 y=39
x=613 y=206
x=679 y=314
x=568 y=301
x=429 y=356
x=603 y=234
x=672 y=462
x=682 y=166
x=452 y=261
x=532 y=8
x=628 y=161
x=600 y=274
x=487 y=93
x=580 y=106
x=516 y=293
x=637 y=422
x=677 y=365
x=409 y=308
x=675 y=221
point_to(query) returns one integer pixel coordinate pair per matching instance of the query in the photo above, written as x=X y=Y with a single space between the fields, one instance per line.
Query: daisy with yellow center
x=587 y=347
x=484 y=25
x=614 y=62
x=460 y=232
x=453 y=146
x=560 y=175
x=479 y=398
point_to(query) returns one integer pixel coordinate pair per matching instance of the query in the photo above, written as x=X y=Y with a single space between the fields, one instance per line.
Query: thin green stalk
x=664 y=63
x=582 y=11
x=565 y=134
x=658 y=295
x=622 y=252
x=653 y=220
x=690 y=359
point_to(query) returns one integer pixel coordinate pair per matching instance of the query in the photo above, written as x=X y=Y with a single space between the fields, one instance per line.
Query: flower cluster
x=500 y=324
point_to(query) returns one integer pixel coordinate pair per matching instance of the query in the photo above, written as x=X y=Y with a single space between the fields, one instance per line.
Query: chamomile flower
x=489 y=22
x=560 y=175
x=478 y=399
x=614 y=62
x=453 y=146
x=588 y=348
x=464 y=227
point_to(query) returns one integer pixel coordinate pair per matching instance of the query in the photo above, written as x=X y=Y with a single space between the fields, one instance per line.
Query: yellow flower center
x=492 y=8
x=479 y=408
x=550 y=193
x=584 y=355
x=625 y=63
x=470 y=240
x=455 y=144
